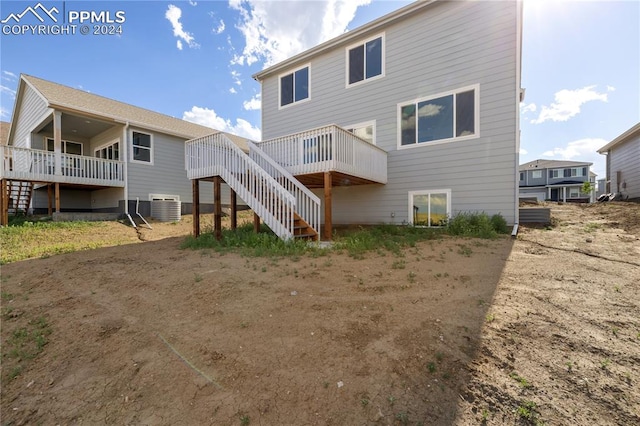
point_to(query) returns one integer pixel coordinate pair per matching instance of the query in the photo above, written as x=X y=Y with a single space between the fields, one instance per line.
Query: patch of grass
x=604 y=364
x=364 y=402
x=391 y=238
x=197 y=278
x=24 y=239
x=465 y=250
x=402 y=417
x=248 y=243
x=490 y=317
x=524 y=383
x=245 y=420
x=24 y=344
x=398 y=264
x=478 y=225
x=528 y=411
x=411 y=277
x=592 y=226
x=431 y=367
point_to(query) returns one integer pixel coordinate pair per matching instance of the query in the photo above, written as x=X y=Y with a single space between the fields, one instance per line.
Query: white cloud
x=581 y=150
x=173 y=15
x=193 y=3
x=611 y=89
x=4 y=113
x=220 y=28
x=254 y=103
x=568 y=103
x=208 y=117
x=8 y=75
x=523 y=151
x=525 y=108
x=235 y=75
x=271 y=35
x=233 y=90
x=7 y=90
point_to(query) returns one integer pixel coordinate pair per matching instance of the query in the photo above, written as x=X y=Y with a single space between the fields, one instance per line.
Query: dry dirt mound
x=543 y=328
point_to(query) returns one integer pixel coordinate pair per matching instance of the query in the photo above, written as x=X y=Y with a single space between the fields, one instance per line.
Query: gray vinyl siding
x=445 y=47
x=167 y=174
x=553 y=181
x=32 y=109
x=70 y=199
x=626 y=159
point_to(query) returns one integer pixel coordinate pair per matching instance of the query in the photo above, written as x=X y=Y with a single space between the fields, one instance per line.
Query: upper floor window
x=294 y=87
x=572 y=172
x=440 y=118
x=521 y=176
x=536 y=174
x=365 y=60
x=142 y=144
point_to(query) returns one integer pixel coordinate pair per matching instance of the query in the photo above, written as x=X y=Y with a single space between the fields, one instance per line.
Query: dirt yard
x=541 y=329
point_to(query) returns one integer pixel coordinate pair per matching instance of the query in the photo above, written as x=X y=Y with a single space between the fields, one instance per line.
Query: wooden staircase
x=19 y=195
x=302 y=230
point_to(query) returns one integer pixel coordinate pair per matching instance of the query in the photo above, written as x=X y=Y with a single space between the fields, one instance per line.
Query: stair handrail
x=307 y=203
x=219 y=156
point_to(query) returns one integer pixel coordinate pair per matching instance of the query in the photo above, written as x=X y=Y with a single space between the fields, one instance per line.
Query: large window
x=366 y=131
x=444 y=117
x=429 y=208
x=365 y=61
x=294 y=87
x=142 y=144
x=536 y=174
x=111 y=151
x=68 y=147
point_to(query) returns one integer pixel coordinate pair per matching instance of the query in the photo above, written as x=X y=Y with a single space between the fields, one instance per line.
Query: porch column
x=564 y=194
x=57 y=191
x=327 y=207
x=49 y=200
x=57 y=142
x=4 y=203
x=195 y=209
x=217 y=207
x=234 y=209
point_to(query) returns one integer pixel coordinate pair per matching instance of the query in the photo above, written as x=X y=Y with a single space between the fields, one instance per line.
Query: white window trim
x=63 y=143
x=476 y=118
x=308 y=98
x=164 y=197
x=536 y=171
x=106 y=145
x=360 y=43
x=574 y=194
x=371 y=123
x=559 y=172
x=427 y=192
x=132 y=159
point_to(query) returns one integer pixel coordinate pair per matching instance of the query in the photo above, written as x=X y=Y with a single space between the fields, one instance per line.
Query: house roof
x=4 y=132
x=67 y=98
x=632 y=132
x=551 y=164
x=346 y=38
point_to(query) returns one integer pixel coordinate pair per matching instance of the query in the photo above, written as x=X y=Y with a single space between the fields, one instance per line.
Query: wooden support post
x=57 y=191
x=49 y=199
x=4 y=203
x=256 y=223
x=327 y=207
x=195 y=210
x=217 y=207
x=234 y=209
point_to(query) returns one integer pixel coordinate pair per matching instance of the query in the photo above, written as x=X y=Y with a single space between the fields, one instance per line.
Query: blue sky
x=194 y=60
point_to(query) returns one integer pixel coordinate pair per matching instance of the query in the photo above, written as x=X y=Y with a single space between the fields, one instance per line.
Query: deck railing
x=307 y=203
x=47 y=166
x=217 y=155
x=328 y=148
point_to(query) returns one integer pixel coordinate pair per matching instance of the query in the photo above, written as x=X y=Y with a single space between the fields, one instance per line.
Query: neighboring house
x=623 y=163
x=409 y=119
x=89 y=153
x=556 y=180
x=4 y=132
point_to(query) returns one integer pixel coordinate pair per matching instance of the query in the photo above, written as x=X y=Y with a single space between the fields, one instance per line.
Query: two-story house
x=73 y=151
x=623 y=164
x=556 y=180
x=409 y=119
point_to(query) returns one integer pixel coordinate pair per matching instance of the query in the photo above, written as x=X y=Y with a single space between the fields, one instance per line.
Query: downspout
x=125 y=150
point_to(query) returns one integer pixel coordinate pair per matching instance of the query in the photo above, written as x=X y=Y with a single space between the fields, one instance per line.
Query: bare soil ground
x=541 y=329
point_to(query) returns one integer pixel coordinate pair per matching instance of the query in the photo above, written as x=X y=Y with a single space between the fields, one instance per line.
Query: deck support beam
x=256 y=223
x=195 y=209
x=217 y=207
x=4 y=202
x=57 y=191
x=49 y=200
x=328 y=224
x=234 y=209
